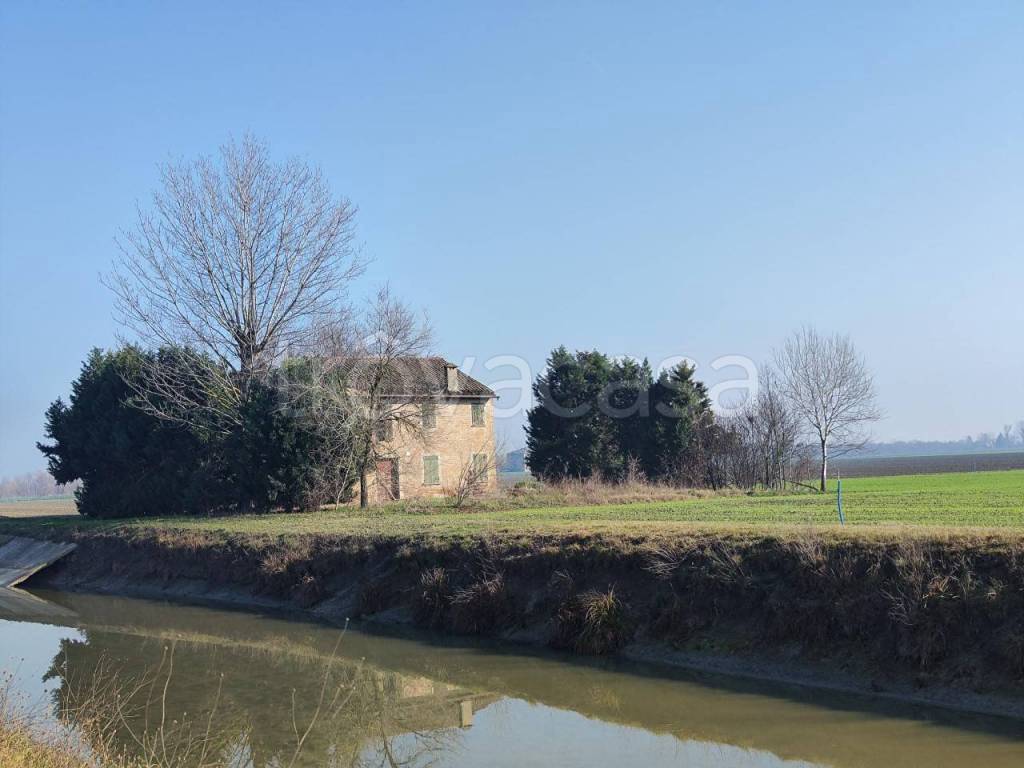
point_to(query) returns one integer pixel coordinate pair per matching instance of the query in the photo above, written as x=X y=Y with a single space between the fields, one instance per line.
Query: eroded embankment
x=942 y=609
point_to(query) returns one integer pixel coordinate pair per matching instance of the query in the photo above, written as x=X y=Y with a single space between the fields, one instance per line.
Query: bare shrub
x=761 y=443
x=634 y=473
x=474 y=476
x=928 y=597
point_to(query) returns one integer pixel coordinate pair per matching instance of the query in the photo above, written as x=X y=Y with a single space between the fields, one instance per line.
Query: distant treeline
x=514 y=461
x=32 y=485
x=985 y=444
x=1010 y=438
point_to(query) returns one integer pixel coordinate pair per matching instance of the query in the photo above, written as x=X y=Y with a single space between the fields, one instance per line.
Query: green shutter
x=431 y=470
x=429 y=412
x=480 y=467
x=478 y=414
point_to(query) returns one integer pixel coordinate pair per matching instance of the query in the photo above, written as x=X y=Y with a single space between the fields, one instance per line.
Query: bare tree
x=775 y=428
x=362 y=372
x=830 y=387
x=314 y=383
x=475 y=474
x=763 y=445
x=1020 y=432
x=1006 y=436
x=235 y=261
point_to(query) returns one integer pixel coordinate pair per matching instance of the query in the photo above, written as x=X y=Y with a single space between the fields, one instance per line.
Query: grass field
x=976 y=499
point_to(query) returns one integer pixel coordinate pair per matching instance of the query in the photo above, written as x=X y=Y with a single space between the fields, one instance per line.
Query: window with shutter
x=478 y=414
x=480 y=467
x=429 y=413
x=431 y=470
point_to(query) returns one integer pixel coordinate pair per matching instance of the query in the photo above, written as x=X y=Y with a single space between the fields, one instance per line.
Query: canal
x=266 y=691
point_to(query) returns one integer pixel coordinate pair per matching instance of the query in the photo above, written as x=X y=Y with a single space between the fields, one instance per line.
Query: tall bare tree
x=236 y=259
x=364 y=368
x=829 y=385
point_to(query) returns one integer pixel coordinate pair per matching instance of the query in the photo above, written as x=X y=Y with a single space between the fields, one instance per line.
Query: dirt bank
x=936 y=618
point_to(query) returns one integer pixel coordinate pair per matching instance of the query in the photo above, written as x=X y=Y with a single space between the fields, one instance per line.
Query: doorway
x=388 y=487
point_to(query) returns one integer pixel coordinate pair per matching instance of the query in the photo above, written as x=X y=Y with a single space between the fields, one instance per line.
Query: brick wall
x=453 y=440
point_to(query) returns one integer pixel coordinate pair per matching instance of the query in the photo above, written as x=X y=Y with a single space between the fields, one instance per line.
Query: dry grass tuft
x=23 y=743
x=594 y=622
x=432 y=599
x=482 y=607
x=18 y=749
x=593 y=492
x=86 y=733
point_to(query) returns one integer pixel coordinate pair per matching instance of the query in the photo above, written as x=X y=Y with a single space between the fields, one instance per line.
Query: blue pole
x=839 y=497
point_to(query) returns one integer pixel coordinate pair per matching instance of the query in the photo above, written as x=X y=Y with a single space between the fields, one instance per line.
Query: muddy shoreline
x=523 y=601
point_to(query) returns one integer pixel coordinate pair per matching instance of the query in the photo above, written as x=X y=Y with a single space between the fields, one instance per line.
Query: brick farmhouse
x=452 y=420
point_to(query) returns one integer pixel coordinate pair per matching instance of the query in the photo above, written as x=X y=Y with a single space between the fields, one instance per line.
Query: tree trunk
x=824 y=464
x=364 y=495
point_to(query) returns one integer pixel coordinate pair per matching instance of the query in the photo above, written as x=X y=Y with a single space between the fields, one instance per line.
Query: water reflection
x=269 y=685
x=269 y=707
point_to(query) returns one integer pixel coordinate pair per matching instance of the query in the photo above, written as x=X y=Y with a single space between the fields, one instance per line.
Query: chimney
x=452 y=380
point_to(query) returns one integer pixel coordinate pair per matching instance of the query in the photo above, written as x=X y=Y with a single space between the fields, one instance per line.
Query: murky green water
x=261 y=682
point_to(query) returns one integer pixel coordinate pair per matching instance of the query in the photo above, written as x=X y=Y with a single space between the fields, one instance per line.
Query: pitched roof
x=421 y=377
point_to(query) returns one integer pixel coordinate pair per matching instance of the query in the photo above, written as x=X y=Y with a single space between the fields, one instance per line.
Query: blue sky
x=647 y=179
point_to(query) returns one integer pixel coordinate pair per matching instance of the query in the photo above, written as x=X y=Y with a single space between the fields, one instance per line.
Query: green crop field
x=975 y=499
